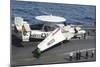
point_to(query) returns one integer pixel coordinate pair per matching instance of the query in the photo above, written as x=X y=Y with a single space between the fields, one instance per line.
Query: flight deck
x=22 y=51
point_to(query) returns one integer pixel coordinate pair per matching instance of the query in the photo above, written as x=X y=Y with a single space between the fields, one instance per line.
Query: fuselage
x=67 y=32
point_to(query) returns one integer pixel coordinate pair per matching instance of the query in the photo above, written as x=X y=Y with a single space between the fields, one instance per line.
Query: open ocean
x=75 y=14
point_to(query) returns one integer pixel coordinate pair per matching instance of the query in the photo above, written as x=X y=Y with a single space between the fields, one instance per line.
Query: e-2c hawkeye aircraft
x=52 y=30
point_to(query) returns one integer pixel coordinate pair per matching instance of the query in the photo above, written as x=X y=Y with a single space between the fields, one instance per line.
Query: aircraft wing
x=54 y=37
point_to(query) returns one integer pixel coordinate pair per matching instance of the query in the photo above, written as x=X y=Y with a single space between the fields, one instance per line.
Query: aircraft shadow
x=15 y=41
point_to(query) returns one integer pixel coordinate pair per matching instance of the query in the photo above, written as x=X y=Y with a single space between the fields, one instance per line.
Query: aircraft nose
x=83 y=31
x=72 y=31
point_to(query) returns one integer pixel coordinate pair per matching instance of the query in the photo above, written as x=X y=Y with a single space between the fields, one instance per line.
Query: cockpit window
x=36 y=26
x=43 y=27
x=48 y=28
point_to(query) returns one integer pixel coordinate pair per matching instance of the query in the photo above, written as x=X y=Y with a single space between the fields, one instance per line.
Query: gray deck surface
x=22 y=55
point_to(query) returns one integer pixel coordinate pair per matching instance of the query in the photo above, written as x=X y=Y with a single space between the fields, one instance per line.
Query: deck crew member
x=92 y=54
x=71 y=56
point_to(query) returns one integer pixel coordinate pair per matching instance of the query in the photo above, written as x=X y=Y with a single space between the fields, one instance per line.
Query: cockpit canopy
x=43 y=27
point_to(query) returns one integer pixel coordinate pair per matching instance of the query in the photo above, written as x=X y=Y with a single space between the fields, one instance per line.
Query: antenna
x=50 y=19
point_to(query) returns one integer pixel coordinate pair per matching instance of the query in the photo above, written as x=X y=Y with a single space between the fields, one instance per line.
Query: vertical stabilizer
x=18 y=23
